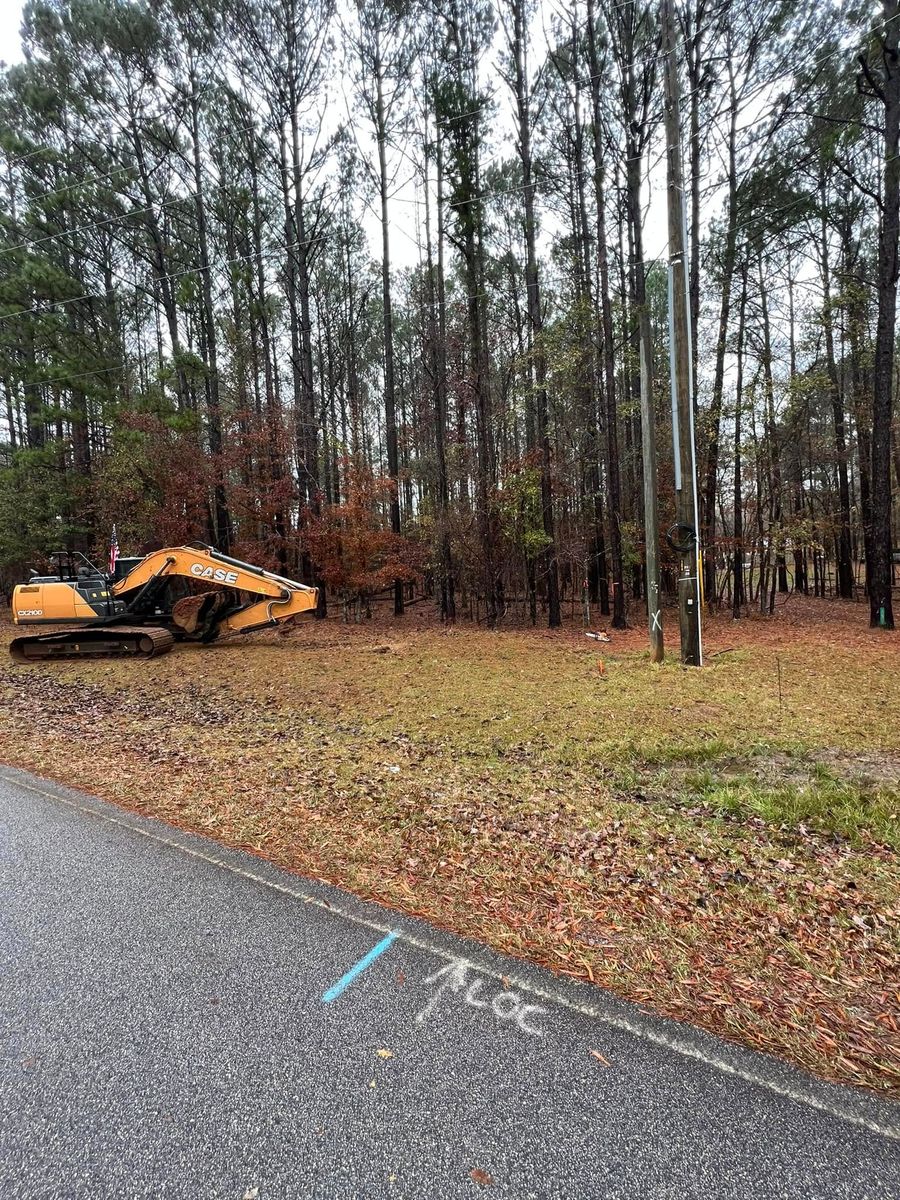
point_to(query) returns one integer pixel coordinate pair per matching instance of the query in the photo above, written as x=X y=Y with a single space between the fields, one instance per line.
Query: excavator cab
x=68 y=566
x=74 y=590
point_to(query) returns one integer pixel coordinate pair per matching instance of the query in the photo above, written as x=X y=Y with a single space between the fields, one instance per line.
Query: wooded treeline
x=356 y=290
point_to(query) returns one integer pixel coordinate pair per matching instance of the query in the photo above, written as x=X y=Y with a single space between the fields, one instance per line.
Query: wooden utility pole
x=685 y=537
x=651 y=501
x=886 y=85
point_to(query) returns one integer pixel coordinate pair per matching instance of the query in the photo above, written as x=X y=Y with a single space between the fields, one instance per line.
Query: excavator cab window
x=72 y=567
x=125 y=566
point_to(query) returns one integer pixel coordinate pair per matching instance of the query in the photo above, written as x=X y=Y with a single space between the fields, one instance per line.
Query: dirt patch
x=864 y=766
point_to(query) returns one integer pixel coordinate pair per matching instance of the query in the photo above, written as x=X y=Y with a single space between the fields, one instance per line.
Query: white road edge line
x=588 y=1010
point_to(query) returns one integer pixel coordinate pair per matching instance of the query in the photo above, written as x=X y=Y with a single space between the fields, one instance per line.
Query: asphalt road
x=182 y=1021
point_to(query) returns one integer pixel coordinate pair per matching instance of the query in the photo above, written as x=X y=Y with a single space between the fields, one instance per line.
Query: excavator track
x=116 y=641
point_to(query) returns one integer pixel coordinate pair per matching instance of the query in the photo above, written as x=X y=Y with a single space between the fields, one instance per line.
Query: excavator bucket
x=194 y=614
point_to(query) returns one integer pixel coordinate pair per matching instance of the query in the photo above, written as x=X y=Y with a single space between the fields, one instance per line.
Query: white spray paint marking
x=505 y=1005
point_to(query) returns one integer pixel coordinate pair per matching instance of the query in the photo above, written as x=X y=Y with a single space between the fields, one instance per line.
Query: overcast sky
x=10 y=19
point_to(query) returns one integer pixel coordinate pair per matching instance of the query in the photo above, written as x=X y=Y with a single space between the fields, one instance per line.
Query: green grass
x=825 y=803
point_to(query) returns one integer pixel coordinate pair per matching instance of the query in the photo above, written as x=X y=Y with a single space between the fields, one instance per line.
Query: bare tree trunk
x=275 y=456
x=221 y=513
x=437 y=366
x=465 y=137
x=844 y=555
x=739 y=598
x=549 y=568
x=613 y=484
x=390 y=398
x=775 y=530
x=694 y=14
x=711 y=478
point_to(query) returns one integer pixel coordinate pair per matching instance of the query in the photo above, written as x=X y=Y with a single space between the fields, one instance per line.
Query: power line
x=253 y=125
x=72 y=378
x=68 y=187
x=136 y=212
x=118 y=170
x=13 y=162
x=196 y=270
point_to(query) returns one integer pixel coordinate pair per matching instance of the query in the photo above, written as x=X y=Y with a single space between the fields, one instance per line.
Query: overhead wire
x=114 y=220
x=47 y=305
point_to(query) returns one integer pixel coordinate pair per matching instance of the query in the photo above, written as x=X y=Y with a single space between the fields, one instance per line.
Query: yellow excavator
x=191 y=593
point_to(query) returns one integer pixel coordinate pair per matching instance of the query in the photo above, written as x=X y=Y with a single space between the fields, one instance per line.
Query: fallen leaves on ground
x=481 y=1177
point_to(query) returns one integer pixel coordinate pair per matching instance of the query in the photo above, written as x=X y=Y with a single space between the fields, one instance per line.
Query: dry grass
x=721 y=846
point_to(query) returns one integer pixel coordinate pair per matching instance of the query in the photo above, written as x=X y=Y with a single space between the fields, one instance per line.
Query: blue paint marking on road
x=346 y=980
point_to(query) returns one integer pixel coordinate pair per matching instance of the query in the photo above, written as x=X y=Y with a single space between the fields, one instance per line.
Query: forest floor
x=721 y=846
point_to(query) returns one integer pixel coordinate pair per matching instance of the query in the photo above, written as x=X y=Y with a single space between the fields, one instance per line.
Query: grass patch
x=825 y=804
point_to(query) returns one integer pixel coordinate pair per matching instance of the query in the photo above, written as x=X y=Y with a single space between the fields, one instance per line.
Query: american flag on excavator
x=113 y=551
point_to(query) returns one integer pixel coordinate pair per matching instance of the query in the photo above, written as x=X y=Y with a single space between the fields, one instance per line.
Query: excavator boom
x=272 y=599
x=140 y=614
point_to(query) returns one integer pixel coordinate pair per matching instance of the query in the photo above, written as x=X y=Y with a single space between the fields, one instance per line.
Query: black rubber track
x=103 y=641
